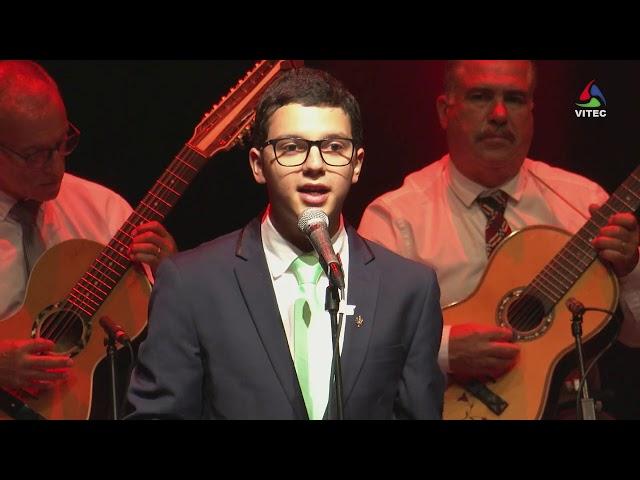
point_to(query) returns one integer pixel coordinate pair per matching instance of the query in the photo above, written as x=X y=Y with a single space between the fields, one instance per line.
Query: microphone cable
x=595 y=360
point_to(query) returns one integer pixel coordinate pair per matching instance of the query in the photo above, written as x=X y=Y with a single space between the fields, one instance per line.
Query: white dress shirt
x=82 y=209
x=434 y=219
x=280 y=254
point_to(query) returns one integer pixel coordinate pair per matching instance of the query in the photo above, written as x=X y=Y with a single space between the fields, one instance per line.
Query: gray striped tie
x=26 y=214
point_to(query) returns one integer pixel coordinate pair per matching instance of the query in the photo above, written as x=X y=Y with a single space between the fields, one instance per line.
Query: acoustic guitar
x=530 y=276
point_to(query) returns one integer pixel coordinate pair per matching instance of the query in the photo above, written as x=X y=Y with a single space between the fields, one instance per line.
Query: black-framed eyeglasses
x=294 y=151
x=37 y=159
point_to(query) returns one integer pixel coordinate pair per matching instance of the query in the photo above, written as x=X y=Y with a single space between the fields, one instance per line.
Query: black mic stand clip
x=110 y=343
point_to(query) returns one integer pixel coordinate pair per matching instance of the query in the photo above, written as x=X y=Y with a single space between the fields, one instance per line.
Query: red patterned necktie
x=497 y=227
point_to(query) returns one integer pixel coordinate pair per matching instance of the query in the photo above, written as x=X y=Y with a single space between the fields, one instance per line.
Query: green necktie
x=312 y=337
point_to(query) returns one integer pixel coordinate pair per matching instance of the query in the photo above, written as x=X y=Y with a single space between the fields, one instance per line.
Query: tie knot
x=307 y=269
x=25 y=212
x=494 y=203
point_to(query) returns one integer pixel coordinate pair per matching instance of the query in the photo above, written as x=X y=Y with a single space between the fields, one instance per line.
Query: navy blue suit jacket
x=216 y=346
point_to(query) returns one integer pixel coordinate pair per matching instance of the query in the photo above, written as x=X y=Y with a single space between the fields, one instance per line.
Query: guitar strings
x=61 y=325
x=552 y=283
x=65 y=319
x=250 y=80
x=173 y=182
x=551 y=289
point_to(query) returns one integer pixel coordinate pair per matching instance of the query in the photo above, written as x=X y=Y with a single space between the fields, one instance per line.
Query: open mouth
x=314 y=194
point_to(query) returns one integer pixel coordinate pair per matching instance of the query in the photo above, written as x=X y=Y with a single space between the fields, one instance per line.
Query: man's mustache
x=506 y=134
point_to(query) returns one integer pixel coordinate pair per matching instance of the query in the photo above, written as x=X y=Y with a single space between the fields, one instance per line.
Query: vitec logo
x=593 y=102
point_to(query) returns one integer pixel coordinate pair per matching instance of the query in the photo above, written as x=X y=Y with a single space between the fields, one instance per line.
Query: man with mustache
x=36 y=137
x=439 y=216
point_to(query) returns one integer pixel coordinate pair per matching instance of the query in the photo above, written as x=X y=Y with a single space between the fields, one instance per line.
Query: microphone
x=314 y=223
x=114 y=330
x=575 y=306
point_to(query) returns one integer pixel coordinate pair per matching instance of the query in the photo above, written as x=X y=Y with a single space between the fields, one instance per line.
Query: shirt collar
x=280 y=253
x=467 y=190
x=6 y=204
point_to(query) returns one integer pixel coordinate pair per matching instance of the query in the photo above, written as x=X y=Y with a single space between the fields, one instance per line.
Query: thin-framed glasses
x=294 y=151
x=37 y=159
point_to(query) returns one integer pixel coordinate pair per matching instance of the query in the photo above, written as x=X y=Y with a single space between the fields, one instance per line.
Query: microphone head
x=106 y=322
x=312 y=216
x=575 y=306
x=113 y=329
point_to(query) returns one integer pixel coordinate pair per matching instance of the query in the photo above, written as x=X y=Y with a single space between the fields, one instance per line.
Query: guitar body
x=514 y=265
x=54 y=275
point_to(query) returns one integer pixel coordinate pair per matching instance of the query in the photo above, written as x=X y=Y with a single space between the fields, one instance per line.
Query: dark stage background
x=136 y=115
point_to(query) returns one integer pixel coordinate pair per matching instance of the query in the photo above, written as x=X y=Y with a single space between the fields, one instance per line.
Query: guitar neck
x=220 y=129
x=165 y=193
x=113 y=262
x=578 y=254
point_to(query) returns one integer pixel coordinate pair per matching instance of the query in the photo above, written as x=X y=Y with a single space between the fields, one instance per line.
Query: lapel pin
x=359 y=321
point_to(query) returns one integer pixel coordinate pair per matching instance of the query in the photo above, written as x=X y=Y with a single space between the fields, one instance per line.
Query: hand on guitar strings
x=617 y=242
x=151 y=244
x=481 y=352
x=31 y=364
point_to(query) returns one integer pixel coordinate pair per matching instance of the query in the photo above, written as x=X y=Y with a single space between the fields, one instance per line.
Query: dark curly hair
x=308 y=87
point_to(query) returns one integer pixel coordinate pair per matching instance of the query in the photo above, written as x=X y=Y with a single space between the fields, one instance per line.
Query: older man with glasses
x=37 y=158
x=41 y=206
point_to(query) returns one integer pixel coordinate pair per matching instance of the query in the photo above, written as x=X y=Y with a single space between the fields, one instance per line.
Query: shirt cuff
x=443 y=354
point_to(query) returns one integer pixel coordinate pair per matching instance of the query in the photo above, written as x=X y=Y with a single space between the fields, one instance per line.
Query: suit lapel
x=364 y=282
x=252 y=274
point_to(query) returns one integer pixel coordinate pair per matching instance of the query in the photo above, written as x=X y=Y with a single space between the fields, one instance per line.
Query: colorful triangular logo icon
x=592 y=97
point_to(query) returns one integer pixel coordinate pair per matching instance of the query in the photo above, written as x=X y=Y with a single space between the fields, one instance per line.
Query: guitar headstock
x=225 y=124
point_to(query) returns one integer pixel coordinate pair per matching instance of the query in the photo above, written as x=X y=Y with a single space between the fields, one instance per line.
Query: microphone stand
x=587 y=404
x=332 y=305
x=110 y=343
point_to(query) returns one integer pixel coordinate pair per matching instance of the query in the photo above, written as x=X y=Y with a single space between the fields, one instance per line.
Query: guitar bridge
x=16 y=408
x=490 y=399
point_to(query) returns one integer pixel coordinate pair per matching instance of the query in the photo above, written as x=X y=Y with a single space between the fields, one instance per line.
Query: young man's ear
x=357 y=165
x=255 y=161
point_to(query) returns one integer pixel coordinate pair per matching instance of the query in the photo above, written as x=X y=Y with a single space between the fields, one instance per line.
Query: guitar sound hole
x=66 y=329
x=526 y=313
